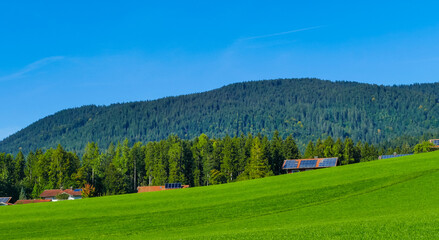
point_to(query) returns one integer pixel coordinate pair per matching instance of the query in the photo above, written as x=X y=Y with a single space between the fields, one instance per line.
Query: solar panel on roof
x=172 y=185
x=393 y=156
x=328 y=162
x=4 y=199
x=308 y=164
x=289 y=164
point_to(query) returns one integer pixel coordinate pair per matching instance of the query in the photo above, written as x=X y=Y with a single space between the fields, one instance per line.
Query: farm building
x=4 y=201
x=435 y=142
x=69 y=194
x=167 y=186
x=393 y=155
x=31 y=201
x=299 y=165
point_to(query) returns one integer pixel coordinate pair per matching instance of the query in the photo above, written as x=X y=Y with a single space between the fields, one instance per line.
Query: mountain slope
x=306 y=108
x=386 y=199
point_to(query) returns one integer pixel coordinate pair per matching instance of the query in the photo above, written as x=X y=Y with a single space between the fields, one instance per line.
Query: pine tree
x=328 y=144
x=319 y=149
x=135 y=164
x=217 y=177
x=22 y=194
x=149 y=162
x=277 y=153
x=216 y=159
x=161 y=164
x=310 y=149
x=175 y=155
x=114 y=181
x=91 y=162
x=337 y=150
x=348 y=153
x=19 y=168
x=187 y=163
x=406 y=148
x=290 y=149
x=229 y=159
x=357 y=152
x=197 y=163
x=258 y=166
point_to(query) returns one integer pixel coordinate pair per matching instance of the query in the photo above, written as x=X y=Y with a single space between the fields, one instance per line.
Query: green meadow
x=385 y=199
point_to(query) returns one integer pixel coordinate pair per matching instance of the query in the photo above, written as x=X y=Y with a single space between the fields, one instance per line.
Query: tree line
x=122 y=167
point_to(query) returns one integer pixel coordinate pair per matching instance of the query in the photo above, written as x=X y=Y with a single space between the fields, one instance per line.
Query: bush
x=62 y=196
x=425 y=146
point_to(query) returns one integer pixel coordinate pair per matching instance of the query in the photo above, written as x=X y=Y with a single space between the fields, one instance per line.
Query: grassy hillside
x=386 y=199
x=306 y=108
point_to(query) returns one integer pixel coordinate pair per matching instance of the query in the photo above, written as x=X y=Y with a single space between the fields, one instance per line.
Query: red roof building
x=52 y=193
x=32 y=201
x=158 y=188
x=299 y=165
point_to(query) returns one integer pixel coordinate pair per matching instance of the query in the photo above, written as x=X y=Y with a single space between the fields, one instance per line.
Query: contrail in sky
x=31 y=67
x=282 y=33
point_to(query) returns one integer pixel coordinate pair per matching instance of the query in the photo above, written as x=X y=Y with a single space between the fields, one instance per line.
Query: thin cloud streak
x=31 y=67
x=282 y=33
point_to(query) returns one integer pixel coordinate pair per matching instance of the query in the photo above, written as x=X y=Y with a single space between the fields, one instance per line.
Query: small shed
x=299 y=165
x=4 y=201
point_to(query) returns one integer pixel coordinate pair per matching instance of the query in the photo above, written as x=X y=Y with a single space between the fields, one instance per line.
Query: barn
x=167 y=186
x=300 y=165
x=71 y=194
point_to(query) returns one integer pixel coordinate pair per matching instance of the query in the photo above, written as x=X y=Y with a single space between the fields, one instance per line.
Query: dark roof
x=393 y=156
x=54 y=192
x=172 y=185
x=5 y=199
x=311 y=163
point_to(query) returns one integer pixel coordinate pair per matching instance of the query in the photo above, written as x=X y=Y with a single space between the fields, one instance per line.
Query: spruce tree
x=337 y=150
x=19 y=168
x=278 y=151
x=310 y=149
x=258 y=165
x=290 y=149
x=175 y=155
x=229 y=159
x=349 y=152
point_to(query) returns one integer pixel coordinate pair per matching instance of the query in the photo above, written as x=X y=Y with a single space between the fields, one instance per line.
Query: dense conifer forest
x=122 y=167
x=307 y=109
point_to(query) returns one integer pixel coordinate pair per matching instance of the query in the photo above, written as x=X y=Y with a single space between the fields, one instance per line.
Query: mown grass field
x=385 y=199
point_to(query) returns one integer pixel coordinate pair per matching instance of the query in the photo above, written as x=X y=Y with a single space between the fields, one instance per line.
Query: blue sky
x=62 y=54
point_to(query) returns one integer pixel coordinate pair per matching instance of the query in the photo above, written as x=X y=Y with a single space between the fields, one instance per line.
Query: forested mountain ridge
x=306 y=108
